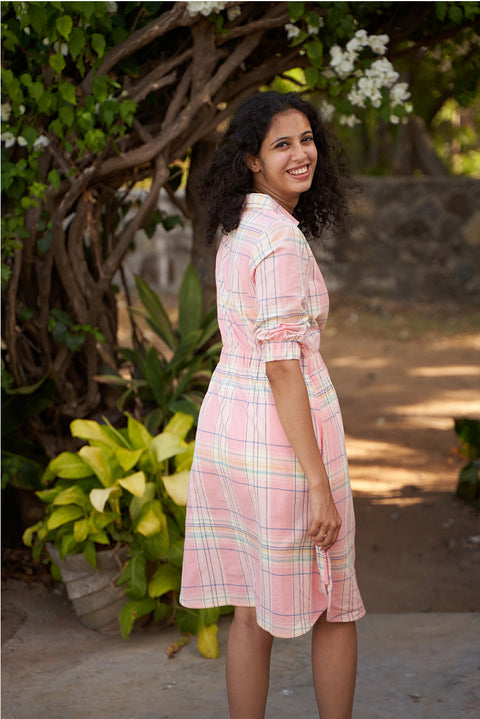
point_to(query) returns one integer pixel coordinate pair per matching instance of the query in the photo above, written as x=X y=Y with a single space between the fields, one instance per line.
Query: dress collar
x=260 y=201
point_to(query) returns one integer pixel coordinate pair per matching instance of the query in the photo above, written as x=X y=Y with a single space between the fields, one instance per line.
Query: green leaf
x=95 y=140
x=76 y=42
x=99 y=497
x=177 y=486
x=81 y=530
x=63 y=515
x=96 y=459
x=138 y=434
x=179 y=425
x=100 y=88
x=133 y=610
x=27 y=537
x=187 y=620
x=190 y=302
x=155 y=375
x=312 y=76
x=455 y=14
x=90 y=553
x=134 y=577
x=151 y=519
x=167 y=445
x=64 y=26
x=208 y=641
x=441 y=10
x=68 y=465
x=137 y=503
x=98 y=43
x=54 y=179
x=67 y=92
x=57 y=63
x=156 y=313
x=295 y=10
x=315 y=52
x=128 y=458
x=134 y=483
x=166 y=578
x=91 y=431
x=72 y=495
x=37 y=17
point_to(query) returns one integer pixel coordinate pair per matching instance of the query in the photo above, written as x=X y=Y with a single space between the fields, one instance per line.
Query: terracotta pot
x=93 y=592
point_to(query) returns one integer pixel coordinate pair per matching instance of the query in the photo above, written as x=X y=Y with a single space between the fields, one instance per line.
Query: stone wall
x=411 y=239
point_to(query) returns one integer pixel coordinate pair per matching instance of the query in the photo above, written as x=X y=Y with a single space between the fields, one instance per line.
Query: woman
x=270 y=523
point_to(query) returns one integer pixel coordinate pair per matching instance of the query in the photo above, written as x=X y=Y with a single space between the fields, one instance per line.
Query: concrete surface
x=411 y=666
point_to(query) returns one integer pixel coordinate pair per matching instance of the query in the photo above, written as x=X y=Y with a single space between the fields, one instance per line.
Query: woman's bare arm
x=293 y=407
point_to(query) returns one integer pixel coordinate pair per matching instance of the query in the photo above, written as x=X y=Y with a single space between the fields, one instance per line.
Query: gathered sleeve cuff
x=280 y=288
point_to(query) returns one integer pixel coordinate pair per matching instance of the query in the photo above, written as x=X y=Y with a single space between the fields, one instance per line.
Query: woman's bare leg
x=248 y=666
x=334 y=665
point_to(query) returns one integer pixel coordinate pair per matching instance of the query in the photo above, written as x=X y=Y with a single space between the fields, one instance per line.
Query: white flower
x=369 y=87
x=355 y=97
x=21 y=109
x=399 y=93
x=327 y=110
x=292 y=30
x=46 y=41
x=394 y=119
x=205 y=8
x=26 y=30
x=362 y=36
x=8 y=138
x=111 y=7
x=312 y=30
x=234 y=12
x=349 y=120
x=64 y=49
x=383 y=71
x=378 y=43
x=342 y=62
x=6 y=110
x=41 y=141
x=21 y=141
x=354 y=44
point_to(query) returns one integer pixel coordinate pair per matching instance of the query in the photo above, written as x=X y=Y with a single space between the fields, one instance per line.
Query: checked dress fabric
x=246 y=538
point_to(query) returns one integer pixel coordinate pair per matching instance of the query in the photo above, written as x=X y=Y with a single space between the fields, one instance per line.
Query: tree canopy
x=97 y=96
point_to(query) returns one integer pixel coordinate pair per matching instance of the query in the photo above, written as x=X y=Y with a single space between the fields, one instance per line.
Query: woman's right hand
x=325 y=521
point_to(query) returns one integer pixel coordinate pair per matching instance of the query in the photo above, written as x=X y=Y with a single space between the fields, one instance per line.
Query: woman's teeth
x=300 y=171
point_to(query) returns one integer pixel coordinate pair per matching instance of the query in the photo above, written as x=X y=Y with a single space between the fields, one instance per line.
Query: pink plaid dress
x=246 y=538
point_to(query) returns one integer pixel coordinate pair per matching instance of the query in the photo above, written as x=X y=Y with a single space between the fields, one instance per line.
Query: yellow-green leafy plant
x=125 y=487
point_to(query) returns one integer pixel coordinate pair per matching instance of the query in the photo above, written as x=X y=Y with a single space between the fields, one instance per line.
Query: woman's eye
x=308 y=138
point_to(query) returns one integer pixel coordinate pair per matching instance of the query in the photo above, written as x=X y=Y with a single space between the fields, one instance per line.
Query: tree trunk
x=203 y=254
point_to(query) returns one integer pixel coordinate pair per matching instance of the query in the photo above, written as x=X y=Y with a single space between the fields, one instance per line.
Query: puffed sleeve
x=280 y=289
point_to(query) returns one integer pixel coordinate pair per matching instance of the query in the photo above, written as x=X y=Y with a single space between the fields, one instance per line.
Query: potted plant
x=118 y=505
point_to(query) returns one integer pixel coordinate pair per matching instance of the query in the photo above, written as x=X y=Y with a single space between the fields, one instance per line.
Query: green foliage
x=43 y=105
x=176 y=379
x=468 y=487
x=124 y=487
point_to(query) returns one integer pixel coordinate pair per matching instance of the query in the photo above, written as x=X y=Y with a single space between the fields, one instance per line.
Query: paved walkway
x=411 y=666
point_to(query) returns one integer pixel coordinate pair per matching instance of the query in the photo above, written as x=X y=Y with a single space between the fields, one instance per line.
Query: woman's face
x=286 y=162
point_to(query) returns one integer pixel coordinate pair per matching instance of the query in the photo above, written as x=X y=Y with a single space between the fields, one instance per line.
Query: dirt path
x=402 y=376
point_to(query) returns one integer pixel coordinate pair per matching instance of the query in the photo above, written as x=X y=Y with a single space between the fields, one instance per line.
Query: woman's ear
x=252 y=163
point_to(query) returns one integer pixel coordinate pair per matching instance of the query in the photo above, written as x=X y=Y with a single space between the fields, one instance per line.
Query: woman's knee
x=246 y=617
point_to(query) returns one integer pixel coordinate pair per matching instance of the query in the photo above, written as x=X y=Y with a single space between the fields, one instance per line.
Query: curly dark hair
x=228 y=180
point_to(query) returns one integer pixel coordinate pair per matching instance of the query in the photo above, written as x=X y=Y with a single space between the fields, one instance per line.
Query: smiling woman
x=270 y=524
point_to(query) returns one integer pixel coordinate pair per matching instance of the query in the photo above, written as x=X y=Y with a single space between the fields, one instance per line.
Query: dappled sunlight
x=454 y=371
